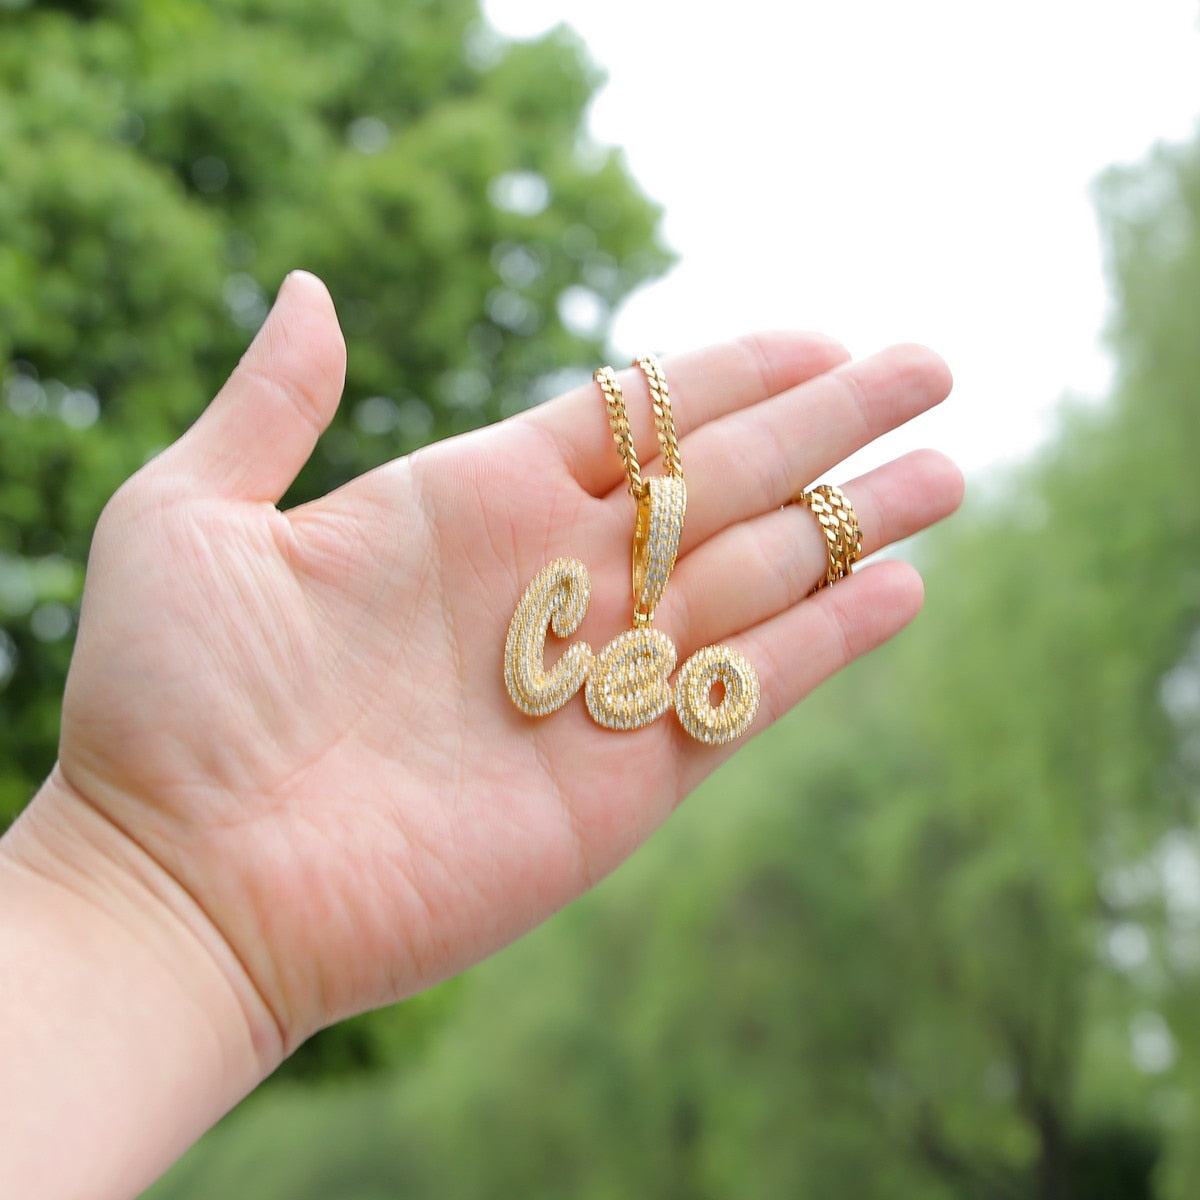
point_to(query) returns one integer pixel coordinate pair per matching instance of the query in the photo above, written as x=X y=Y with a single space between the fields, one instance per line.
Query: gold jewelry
x=656 y=534
x=664 y=418
x=732 y=715
x=627 y=687
x=661 y=499
x=839 y=524
x=627 y=682
x=557 y=598
x=664 y=421
x=618 y=421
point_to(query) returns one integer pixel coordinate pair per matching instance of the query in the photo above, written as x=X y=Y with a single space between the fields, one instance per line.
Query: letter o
x=720 y=723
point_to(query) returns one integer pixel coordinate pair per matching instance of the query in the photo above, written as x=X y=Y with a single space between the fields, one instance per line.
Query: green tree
x=1152 y=531
x=167 y=162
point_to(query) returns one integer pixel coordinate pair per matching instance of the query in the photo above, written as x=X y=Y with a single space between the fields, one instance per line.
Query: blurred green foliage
x=936 y=935
x=166 y=162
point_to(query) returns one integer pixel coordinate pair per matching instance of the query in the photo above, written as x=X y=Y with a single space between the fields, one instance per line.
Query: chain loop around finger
x=839 y=525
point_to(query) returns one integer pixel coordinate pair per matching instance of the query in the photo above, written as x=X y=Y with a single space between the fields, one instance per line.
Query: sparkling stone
x=627 y=685
x=717 y=724
x=556 y=599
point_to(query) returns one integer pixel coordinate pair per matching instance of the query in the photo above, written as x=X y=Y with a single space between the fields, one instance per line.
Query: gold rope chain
x=664 y=421
x=618 y=420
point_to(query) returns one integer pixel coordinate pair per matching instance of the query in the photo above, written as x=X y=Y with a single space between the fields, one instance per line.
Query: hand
x=293 y=725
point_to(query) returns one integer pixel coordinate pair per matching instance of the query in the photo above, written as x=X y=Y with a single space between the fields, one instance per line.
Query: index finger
x=705 y=384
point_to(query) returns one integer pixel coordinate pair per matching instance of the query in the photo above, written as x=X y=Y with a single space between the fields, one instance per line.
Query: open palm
x=298 y=719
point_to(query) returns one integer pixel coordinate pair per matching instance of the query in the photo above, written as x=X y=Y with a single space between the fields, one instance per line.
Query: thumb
x=252 y=440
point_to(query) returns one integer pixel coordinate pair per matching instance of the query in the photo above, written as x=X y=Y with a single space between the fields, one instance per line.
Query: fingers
x=252 y=440
x=752 y=571
x=704 y=385
x=799 y=649
x=754 y=460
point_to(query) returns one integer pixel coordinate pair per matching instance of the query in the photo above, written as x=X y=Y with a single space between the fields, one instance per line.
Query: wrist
x=127 y=1033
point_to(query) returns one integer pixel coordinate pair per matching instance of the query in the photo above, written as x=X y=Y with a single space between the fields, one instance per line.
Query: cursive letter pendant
x=717 y=723
x=558 y=597
x=627 y=686
x=628 y=681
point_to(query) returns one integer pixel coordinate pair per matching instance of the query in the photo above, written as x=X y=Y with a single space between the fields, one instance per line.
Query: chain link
x=618 y=421
x=839 y=524
x=664 y=421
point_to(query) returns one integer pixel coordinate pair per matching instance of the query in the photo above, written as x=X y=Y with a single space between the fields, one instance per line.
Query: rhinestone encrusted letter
x=558 y=598
x=720 y=723
x=627 y=687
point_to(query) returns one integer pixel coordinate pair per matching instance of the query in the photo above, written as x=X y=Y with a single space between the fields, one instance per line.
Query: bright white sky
x=888 y=171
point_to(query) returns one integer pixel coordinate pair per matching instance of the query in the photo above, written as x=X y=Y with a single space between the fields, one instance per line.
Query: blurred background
x=938 y=933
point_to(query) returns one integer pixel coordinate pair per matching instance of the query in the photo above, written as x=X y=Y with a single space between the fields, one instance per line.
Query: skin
x=291 y=785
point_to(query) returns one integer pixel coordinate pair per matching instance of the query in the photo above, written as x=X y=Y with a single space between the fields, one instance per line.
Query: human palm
x=298 y=719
